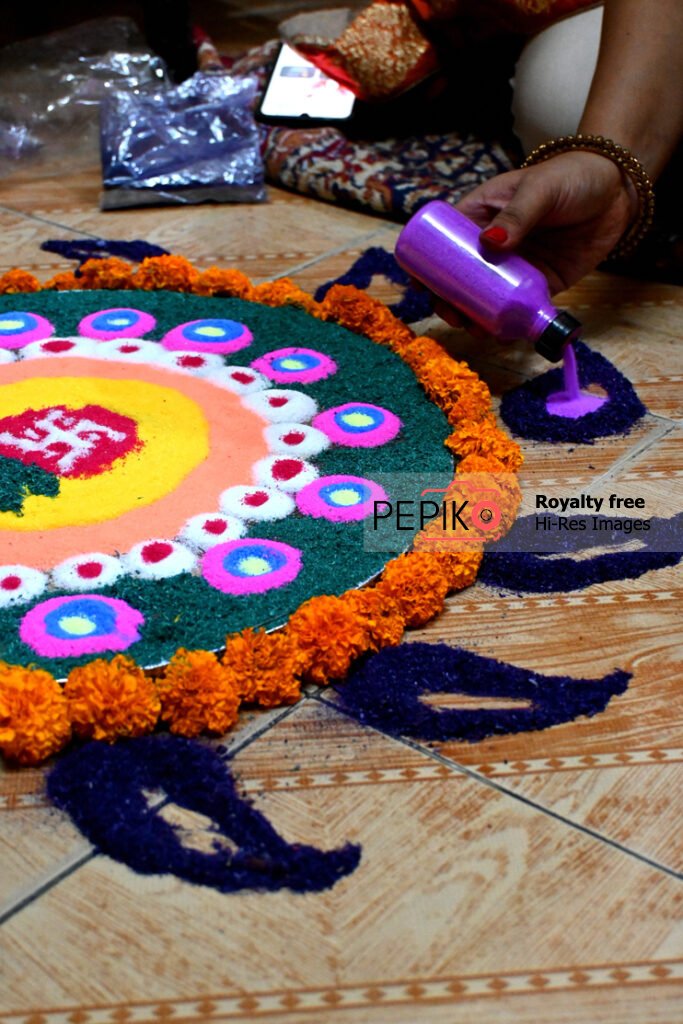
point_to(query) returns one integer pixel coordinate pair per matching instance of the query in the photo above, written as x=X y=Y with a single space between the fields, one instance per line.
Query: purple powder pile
x=384 y=692
x=101 y=788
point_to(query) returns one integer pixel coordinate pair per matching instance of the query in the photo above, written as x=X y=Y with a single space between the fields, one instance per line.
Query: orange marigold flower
x=34 y=721
x=17 y=280
x=420 y=351
x=459 y=559
x=110 y=272
x=380 y=614
x=282 y=292
x=108 y=699
x=363 y=314
x=172 y=272
x=263 y=667
x=485 y=438
x=215 y=281
x=460 y=567
x=328 y=635
x=197 y=694
x=418 y=584
x=66 y=281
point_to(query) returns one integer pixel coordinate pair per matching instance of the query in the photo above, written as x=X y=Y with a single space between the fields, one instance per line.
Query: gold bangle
x=626 y=162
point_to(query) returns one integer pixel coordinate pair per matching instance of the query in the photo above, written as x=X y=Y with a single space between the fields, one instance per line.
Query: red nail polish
x=497 y=235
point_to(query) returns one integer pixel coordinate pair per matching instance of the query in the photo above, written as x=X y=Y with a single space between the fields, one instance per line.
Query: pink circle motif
x=295 y=365
x=208 y=335
x=358 y=425
x=251 y=566
x=109 y=324
x=340 y=498
x=67 y=627
x=18 y=328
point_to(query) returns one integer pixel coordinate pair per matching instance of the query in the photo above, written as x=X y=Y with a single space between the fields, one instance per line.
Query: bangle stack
x=626 y=162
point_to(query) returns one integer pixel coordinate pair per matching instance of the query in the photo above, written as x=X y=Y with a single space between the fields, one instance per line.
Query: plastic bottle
x=501 y=292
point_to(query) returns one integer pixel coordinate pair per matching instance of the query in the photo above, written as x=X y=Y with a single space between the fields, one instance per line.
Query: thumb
x=530 y=203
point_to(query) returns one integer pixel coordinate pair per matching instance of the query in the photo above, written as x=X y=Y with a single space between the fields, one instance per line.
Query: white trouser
x=553 y=76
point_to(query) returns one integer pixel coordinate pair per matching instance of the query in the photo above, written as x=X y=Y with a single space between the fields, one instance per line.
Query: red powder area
x=293 y=437
x=277 y=402
x=191 y=362
x=255 y=499
x=215 y=526
x=10 y=583
x=156 y=552
x=89 y=570
x=286 y=469
x=57 y=346
x=69 y=442
x=242 y=378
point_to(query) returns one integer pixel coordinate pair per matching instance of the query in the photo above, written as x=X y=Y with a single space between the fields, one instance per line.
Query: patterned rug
x=395 y=173
x=176 y=468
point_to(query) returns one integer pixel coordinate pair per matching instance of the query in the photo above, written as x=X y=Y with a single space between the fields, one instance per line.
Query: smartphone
x=298 y=93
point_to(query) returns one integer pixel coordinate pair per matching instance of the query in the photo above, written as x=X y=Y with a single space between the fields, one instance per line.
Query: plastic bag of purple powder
x=195 y=143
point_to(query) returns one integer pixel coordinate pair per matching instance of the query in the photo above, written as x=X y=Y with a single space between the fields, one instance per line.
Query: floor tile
x=20 y=247
x=456 y=880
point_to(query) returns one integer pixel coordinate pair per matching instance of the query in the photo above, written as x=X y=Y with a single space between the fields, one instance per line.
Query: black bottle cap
x=559 y=332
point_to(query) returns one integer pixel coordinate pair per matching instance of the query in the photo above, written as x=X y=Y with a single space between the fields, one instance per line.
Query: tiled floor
x=533 y=879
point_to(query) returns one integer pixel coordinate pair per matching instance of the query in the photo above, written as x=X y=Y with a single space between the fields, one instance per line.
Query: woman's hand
x=564 y=215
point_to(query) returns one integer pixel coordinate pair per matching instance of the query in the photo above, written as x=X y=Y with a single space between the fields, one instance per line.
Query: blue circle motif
x=114 y=321
x=327 y=493
x=232 y=563
x=376 y=415
x=306 y=362
x=26 y=322
x=99 y=613
x=229 y=330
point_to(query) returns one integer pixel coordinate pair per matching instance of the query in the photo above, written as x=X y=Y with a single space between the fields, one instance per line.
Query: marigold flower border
x=198 y=692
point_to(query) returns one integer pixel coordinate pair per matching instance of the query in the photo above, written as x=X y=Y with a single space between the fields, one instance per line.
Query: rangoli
x=186 y=457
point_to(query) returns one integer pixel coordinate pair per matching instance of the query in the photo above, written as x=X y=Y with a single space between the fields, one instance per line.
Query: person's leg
x=553 y=76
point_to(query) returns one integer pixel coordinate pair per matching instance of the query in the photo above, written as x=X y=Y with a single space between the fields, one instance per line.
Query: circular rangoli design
x=175 y=468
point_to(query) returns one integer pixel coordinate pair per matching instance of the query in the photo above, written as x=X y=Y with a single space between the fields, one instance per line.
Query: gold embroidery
x=381 y=48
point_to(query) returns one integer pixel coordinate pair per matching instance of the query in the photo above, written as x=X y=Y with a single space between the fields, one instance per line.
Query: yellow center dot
x=293 y=364
x=253 y=565
x=120 y=321
x=77 y=625
x=358 y=419
x=345 y=496
x=211 y=332
x=11 y=325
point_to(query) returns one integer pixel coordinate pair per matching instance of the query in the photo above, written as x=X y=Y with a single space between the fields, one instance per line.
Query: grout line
x=80 y=860
x=46 y=220
x=267 y=726
x=351 y=243
x=499 y=788
x=48 y=883
x=656 y=434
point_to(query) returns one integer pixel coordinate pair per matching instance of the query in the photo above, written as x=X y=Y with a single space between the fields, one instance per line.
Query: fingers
x=532 y=201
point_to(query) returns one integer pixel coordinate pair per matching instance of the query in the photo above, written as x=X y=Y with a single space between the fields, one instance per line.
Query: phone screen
x=298 y=88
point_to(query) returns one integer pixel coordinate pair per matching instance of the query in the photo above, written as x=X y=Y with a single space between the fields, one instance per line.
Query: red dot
x=129 y=348
x=192 y=361
x=89 y=570
x=10 y=583
x=277 y=402
x=286 y=469
x=57 y=346
x=241 y=377
x=156 y=551
x=215 y=526
x=293 y=437
x=255 y=499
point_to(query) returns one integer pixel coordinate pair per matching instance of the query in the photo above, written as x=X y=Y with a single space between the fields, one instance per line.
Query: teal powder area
x=184 y=611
